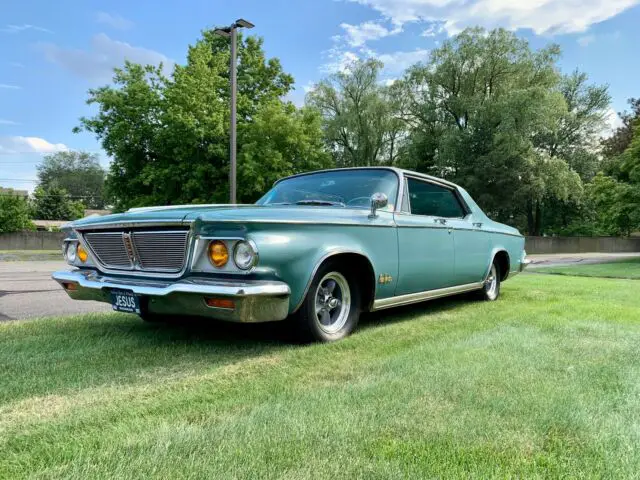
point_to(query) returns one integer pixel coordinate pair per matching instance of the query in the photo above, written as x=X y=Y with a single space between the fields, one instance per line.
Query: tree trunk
x=530 y=219
x=534 y=218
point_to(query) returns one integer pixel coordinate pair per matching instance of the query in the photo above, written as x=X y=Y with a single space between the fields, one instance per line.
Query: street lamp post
x=231 y=31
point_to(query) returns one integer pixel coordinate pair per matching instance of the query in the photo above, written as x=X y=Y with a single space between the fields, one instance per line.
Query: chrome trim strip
x=93 y=280
x=421 y=296
x=132 y=224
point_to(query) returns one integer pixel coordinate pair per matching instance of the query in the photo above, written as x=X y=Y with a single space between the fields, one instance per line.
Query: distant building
x=11 y=191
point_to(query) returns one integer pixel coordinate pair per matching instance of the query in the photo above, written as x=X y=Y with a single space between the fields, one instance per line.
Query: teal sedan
x=317 y=250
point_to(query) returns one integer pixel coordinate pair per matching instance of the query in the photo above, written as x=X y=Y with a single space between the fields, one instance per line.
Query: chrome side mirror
x=378 y=200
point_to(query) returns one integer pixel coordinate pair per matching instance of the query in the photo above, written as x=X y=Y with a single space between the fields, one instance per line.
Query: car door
x=470 y=242
x=425 y=241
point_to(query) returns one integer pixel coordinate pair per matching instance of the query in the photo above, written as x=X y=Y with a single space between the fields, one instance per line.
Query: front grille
x=160 y=250
x=147 y=251
x=110 y=249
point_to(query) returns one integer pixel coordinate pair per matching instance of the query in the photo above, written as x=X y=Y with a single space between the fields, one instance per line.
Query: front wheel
x=331 y=308
x=491 y=289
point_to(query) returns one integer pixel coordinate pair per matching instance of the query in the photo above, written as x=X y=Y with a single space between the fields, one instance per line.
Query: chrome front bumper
x=254 y=300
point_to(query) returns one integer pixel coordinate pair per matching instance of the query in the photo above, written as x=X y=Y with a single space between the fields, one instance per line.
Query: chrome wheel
x=332 y=302
x=491 y=283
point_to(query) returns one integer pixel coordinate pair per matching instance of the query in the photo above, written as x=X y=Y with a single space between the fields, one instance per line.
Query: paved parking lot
x=27 y=291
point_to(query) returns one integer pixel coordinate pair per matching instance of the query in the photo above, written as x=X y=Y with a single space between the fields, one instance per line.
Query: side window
x=429 y=199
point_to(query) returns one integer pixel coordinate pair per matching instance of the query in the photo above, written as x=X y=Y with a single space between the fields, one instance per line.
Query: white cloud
x=612 y=122
x=394 y=63
x=17 y=145
x=339 y=61
x=436 y=28
x=358 y=35
x=97 y=63
x=114 y=21
x=586 y=40
x=397 y=62
x=4 y=121
x=22 y=28
x=541 y=16
x=9 y=87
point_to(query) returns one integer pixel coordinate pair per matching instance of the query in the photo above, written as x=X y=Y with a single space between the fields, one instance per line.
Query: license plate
x=124 y=301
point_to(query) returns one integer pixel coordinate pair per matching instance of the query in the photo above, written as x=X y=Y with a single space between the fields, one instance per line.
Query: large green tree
x=169 y=136
x=490 y=113
x=55 y=203
x=14 y=212
x=77 y=172
x=360 y=124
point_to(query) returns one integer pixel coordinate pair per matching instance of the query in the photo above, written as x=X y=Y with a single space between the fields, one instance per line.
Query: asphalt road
x=27 y=291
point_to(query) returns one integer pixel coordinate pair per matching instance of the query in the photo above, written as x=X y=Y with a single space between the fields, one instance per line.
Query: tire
x=331 y=309
x=491 y=289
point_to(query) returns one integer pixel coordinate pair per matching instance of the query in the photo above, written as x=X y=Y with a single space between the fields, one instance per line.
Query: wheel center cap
x=332 y=302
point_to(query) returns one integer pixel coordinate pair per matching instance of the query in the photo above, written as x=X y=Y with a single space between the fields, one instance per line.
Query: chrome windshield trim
x=422 y=296
x=94 y=280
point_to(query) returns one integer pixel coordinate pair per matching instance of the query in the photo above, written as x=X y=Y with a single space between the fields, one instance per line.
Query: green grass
x=620 y=269
x=22 y=255
x=543 y=383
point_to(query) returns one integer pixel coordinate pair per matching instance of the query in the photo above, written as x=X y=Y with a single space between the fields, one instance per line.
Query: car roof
x=399 y=171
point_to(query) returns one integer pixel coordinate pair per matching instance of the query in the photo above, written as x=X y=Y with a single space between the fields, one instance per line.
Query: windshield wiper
x=320 y=202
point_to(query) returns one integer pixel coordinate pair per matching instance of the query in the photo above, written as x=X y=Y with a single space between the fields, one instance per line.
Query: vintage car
x=317 y=249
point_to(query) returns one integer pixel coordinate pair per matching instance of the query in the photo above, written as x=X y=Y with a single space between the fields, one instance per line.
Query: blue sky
x=51 y=53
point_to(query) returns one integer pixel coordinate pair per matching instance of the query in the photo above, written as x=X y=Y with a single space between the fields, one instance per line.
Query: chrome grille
x=110 y=249
x=146 y=251
x=160 y=251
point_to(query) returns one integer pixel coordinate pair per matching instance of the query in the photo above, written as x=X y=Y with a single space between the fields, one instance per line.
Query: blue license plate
x=125 y=301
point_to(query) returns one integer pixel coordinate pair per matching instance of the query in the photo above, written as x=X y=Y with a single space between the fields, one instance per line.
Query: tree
x=54 y=203
x=77 y=172
x=14 y=212
x=360 y=125
x=169 y=137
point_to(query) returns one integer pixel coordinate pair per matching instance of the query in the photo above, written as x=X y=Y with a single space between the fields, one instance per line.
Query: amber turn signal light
x=220 y=303
x=81 y=253
x=218 y=253
x=70 y=286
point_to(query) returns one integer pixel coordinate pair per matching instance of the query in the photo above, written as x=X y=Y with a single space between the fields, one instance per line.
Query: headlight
x=82 y=254
x=244 y=255
x=218 y=253
x=71 y=252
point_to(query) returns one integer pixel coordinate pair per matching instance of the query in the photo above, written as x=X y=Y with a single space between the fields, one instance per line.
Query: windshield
x=343 y=188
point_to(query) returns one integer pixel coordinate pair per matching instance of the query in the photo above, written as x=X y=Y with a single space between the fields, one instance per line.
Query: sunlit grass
x=628 y=268
x=543 y=383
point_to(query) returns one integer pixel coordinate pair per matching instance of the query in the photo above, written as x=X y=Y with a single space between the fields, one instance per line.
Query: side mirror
x=378 y=200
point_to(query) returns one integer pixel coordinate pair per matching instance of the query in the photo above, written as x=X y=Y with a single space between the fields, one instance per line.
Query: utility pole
x=231 y=31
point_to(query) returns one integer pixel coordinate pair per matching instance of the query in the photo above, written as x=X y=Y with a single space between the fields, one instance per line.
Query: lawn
x=629 y=268
x=543 y=383
x=28 y=255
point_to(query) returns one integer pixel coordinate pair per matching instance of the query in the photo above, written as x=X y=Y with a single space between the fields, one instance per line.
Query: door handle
x=441 y=221
x=477 y=224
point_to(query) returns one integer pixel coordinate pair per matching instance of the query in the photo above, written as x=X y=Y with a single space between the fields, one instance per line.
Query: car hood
x=229 y=213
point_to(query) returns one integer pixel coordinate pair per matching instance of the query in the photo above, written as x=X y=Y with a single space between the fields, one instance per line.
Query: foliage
x=169 y=137
x=14 y=213
x=77 y=172
x=360 y=125
x=55 y=203
x=541 y=385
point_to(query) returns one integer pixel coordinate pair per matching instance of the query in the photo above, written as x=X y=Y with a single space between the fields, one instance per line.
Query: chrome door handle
x=441 y=221
x=477 y=224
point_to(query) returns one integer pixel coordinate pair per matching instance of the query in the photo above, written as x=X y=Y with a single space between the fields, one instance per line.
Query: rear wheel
x=491 y=289
x=331 y=309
